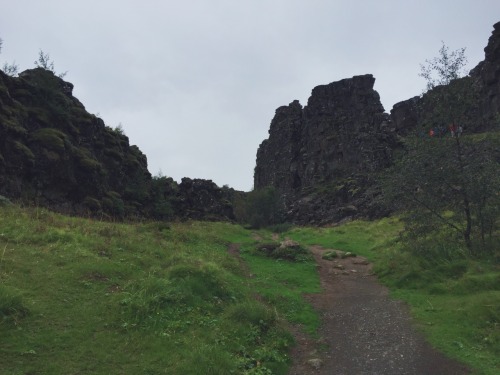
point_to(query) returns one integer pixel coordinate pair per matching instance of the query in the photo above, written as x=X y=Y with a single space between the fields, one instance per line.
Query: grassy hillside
x=81 y=296
x=87 y=297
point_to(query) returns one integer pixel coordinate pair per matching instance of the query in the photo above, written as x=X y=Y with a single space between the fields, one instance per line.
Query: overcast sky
x=195 y=83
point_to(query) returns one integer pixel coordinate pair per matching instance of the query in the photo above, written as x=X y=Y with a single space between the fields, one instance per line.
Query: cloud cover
x=195 y=83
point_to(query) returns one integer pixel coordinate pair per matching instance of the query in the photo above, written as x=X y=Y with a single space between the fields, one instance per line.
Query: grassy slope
x=86 y=297
x=456 y=303
x=80 y=296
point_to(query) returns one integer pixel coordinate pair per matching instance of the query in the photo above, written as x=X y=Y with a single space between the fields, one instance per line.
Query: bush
x=4 y=201
x=113 y=204
x=260 y=208
x=281 y=227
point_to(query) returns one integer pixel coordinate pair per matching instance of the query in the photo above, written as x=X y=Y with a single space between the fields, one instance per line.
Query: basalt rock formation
x=483 y=81
x=203 y=200
x=55 y=154
x=488 y=75
x=324 y=158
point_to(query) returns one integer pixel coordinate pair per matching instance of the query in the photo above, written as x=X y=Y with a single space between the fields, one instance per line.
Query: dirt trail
x=363 y=331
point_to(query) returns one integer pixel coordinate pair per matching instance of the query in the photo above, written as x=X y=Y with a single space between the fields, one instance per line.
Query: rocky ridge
x=324 y=158
x=55 y=154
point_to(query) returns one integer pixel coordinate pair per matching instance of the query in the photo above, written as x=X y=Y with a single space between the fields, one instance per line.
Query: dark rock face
x=483 y=81
x=58 y=155
x=338 y=140
x=203 y=200
x=55 y=154
x=488 y=74
x=281 y=150
x=324 y=157
x=340 y=132
x=343 y=131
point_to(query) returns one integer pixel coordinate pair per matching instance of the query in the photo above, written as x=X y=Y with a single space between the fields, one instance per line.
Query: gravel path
x=363 y=331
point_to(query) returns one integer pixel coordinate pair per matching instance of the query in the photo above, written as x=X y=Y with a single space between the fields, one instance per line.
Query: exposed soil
x=363 y=331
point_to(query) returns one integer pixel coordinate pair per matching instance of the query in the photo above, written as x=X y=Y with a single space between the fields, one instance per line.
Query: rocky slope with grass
x=55 y=154
x=325 y=157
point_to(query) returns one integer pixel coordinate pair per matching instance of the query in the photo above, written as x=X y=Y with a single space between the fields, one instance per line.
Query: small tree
x=445 y=68
x=44 y=62
x=9 y=69
x=164 y=192
x=260 y=208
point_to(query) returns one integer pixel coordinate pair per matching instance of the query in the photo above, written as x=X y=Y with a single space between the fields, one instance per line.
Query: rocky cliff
x=55 y=154
x=324 y=157
x=482 y=112
x=488 y=75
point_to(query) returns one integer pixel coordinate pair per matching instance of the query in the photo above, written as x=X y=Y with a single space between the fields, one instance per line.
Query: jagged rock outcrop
x=483 y=112
x=324 y=157
x=341 y=131
x=488 y=73
x=336 y=142
x=55 y=154
x=199 y=199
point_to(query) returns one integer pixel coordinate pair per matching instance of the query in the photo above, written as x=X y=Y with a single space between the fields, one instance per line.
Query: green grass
x=281 y=283
x=83 y=296
x=455 y=300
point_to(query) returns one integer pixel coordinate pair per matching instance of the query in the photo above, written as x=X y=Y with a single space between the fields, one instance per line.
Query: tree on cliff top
x=447 y=182
x=445 y=68
x=46 y=63
x=9 y=69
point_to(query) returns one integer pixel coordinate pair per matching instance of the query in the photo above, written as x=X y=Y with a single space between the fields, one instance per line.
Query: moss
x=90 y=164
x=113 y=195
x=51 y=155
x=114 y=153
x=81 y=115
x=40 y=115
x=113 y=203
x=86 y=160
x=12 y=126
x=92 y=203
x=22 y=93
x=24 y=150
x=132 y=162
x=50 y=138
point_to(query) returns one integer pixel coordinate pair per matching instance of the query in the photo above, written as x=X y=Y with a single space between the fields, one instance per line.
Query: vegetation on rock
x=447 y=179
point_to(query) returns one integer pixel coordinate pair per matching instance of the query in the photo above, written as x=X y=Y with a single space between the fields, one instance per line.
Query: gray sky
x=195 y=84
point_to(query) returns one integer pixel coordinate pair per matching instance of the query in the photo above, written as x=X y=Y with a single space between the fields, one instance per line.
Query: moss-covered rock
x=50 y=138
x=55 y=152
